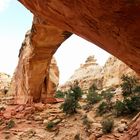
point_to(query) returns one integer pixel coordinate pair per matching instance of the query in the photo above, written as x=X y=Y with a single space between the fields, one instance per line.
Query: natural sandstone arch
x=112 y=25
x=32 y=80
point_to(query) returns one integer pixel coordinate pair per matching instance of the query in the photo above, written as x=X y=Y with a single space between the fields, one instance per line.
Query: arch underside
x=112 y=25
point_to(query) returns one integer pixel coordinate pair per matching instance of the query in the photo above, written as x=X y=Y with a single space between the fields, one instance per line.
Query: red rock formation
x=50 y=83
x=32 y=81
x=88 y=74
x=113 y=71
x=134 y=130
x=5 y=81
x=112 y=25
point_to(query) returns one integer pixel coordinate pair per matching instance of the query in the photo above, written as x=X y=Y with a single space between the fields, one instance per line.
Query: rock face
x=134 y=130
x=109 y=76
x=113 y=70
x=5 y=81
x=87 y=75
x=112 y=25
x=35 y=78
x=49 y=88
x=103 y=77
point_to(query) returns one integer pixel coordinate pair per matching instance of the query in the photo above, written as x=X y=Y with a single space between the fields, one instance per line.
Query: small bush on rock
x=86 y=122
x=120 y=108
x=107 y=125
x=71 y=101
x=132 y=104
x=103 y=108
x=59 y=94
x=10 y=124
x=50 y=125
x=92 y=96
x=129 y=85
x=127 y=106
x=107 y=95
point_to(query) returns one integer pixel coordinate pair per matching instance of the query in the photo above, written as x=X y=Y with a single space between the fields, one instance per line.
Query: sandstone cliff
x=5 y=81
x=113 y=70
x=103 y=77
x=112 y=25
x=87 y=75
x=32 y=74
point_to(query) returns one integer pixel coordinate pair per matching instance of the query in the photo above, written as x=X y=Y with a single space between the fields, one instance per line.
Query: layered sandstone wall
x=88 y=74
x=34 y=78
x=112 y=25
x=113 y=71
x=5 y=81
x=103 y=77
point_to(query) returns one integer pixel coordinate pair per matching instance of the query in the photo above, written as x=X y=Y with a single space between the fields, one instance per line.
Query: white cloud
x=4 y=4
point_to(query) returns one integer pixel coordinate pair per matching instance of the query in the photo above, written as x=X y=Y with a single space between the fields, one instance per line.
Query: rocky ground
x=48 y=122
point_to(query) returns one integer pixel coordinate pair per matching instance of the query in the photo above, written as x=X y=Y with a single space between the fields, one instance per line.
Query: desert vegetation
x=103 y=103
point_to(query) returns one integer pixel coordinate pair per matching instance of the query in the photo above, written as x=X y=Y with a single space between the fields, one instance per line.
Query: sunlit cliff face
x=114 y=26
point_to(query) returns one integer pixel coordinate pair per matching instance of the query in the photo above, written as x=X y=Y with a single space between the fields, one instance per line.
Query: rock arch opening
x=73 y=52
x=114 y=26
x=116 y=31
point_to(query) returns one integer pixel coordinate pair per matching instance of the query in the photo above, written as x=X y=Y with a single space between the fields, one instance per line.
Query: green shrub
x=76 y=92
x=107 y=95
x=50 y=125
x=59 y=94
x=10 y=124
x=93 y=88
x=71 y=102
x=107 y=125
x=137 y=90
x=128 y=106
x=92 y=96
x=136 y=102
x=86 y=122
x=120 y=108
x=103 y=108
x=132 y=104
x=69 y=106
x=131 y=93
x=129 y=84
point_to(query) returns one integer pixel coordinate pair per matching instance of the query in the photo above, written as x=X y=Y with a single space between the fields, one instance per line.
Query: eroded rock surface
x=134 y=130
x=5 y=81
x=103 y=77
x=113 y=71
x=88 y=74
x=35 y=78
x=112 y=25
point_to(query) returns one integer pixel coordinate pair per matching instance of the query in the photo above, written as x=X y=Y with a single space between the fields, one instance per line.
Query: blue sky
x=15 y=20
